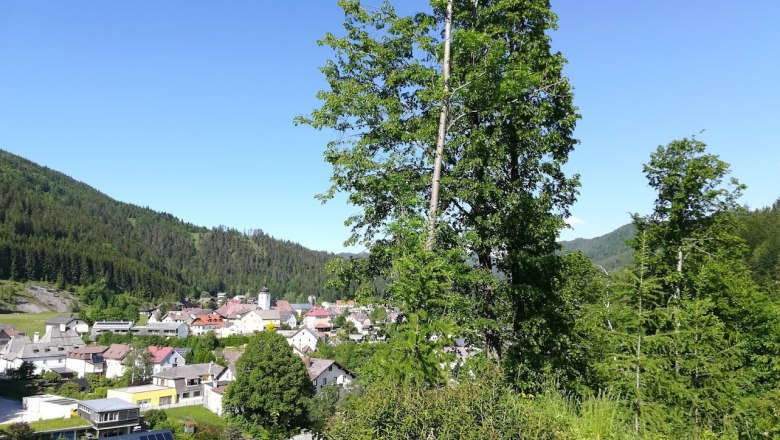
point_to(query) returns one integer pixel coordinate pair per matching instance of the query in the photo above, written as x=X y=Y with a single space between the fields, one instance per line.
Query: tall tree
x=268 y=397
x=503 y=193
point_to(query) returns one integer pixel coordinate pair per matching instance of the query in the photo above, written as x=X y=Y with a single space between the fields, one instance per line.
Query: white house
x=65 y=322
x=361 y=322
x=256 y=321
x=327 y=372
x=116 y=358
x=45 y=353
x=86 y=360
x=318 y=319
x=166 y=329
x=212 y=398
x=304 y=340
x=164 y=358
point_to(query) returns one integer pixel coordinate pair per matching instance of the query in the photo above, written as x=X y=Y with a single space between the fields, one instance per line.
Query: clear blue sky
x=187 y=106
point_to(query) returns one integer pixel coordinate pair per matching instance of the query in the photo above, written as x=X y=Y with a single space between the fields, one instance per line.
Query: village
x=68 y=352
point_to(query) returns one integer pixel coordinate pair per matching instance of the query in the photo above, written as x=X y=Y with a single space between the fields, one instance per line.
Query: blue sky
x=187 y=106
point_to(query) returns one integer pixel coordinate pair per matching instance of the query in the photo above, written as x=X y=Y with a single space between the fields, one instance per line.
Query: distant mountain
x=609 y=250
x=54 y=228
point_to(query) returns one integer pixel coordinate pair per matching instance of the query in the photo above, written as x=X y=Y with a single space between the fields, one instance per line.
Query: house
x=45 y=353
x=146 y=396
x=207 y=323
x=318 y=319
x=327 y=372
x=116 y=357
x=257 y=320
x=86 y=360
x=305 y=340
x=116 y=327
x=212 y=398
x=65 y=322
x=178 y=316
x=110 y=416
x=300 y=309
x=166 y=329
x=361 y=322
x=6 y=333
x=47 y=407
x=188 y=381
x=163 y=358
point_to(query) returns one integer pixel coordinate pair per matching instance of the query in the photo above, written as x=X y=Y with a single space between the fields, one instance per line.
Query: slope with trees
x=53 y=228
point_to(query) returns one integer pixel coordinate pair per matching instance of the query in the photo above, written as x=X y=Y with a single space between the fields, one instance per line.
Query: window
x=324 y=381
x=196 y=394
x=165 y=400
x=330 y=367
x=185 y=395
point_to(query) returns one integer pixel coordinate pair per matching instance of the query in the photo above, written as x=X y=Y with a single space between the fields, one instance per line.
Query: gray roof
x=109 y=404
x=164 y=434
x=163 y=325
x=112 y=324
x=306 y=306
x=318 y=366
x=267 y=314
x=191 y=371
x=61 y=319
x=54 y=343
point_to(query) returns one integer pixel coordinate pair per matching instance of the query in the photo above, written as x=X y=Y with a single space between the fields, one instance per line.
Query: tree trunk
x=445 y=108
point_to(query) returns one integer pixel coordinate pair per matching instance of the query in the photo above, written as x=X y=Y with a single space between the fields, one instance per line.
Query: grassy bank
x=27 y=322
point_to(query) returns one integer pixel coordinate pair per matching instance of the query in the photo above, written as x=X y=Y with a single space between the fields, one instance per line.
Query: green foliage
x=155 y=417
x=268 y=397
x=504 y=194
x=50 y=376
x=481 y=409
x=322 y=407
x=26 y=370
x=20 y=431
x=69 y=389
x=378 y=315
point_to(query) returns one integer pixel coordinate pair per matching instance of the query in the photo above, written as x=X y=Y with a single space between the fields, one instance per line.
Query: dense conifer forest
x=54 y=228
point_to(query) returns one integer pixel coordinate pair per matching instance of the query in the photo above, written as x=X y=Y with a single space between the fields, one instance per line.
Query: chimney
x=307 y=361
x=36 y=336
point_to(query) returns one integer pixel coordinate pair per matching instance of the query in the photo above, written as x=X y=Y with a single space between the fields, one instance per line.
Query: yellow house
x=148 y=396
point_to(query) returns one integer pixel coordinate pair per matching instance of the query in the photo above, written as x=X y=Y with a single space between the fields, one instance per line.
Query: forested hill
x=760 y=228
x=54 y=228
x=608 y=251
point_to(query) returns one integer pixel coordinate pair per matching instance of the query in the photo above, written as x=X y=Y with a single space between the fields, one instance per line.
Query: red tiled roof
x=117 y=351
x=159 y=353
x=322 y=326
x=318 y=313
x=202 y=320
x=283 y=306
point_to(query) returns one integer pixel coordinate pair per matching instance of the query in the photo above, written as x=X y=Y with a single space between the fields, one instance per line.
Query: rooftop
x=140 y=389
x=109 y=404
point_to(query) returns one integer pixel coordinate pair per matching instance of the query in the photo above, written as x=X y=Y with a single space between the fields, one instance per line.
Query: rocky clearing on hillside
x=38 y=299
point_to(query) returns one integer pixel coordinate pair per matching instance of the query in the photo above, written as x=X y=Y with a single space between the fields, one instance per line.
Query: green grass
x=199 y=414
x=28 y=322
x=49 y=425
x=17 y=389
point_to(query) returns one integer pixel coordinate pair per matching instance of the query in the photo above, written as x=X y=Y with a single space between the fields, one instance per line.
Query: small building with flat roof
x=147 y=396
x=111 y=416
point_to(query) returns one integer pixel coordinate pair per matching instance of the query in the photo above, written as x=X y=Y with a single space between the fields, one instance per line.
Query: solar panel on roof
x=167 y=436
x=160 y=437
x=144 y=437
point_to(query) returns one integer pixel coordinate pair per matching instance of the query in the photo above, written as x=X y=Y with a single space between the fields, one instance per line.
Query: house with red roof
x=318 y=319
x=163 y=358
x=207 y=323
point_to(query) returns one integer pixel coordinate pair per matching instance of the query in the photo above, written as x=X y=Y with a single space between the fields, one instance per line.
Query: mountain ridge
x=56 y=228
